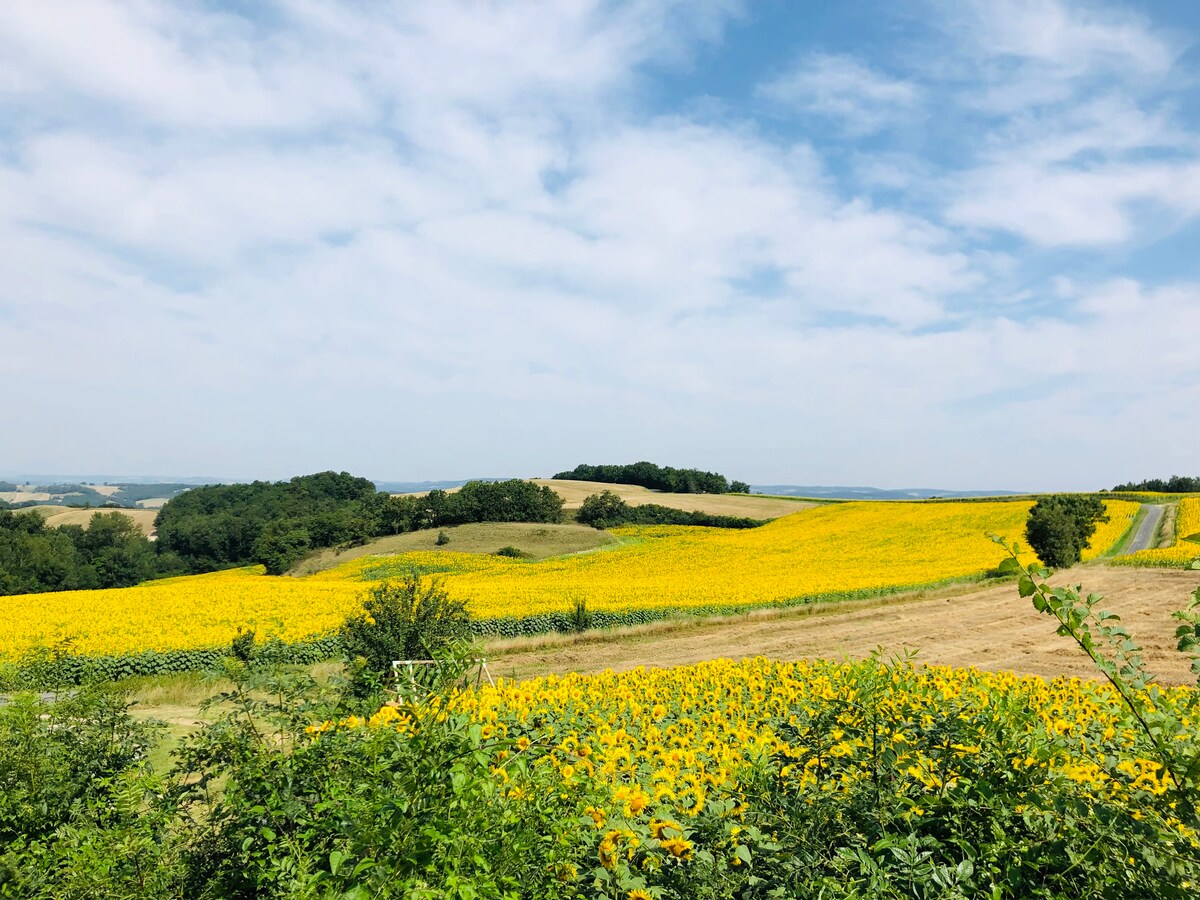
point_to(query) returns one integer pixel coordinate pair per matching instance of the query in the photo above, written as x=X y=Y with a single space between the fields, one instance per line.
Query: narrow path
x=1144 y=539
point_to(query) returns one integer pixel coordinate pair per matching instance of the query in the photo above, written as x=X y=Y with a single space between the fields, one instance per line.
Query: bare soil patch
x=575 y=492
x=990 y=628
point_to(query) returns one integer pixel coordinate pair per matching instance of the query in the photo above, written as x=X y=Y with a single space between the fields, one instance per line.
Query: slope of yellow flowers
x=830 y=551
x=1183 y=551
x=683 y=735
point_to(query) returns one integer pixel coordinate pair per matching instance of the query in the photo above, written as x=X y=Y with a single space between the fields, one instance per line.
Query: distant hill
x=869 y=493
x=193 y=480
x=21 y=493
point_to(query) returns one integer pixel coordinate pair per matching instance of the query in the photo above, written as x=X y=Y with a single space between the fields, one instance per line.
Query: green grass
x=539 y=540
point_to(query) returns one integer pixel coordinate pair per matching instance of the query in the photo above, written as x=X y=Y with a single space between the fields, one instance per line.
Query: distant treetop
x=657 y=478
x=1176 y=484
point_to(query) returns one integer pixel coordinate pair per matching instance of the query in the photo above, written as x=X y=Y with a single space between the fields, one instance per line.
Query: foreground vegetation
x=824 y=553
x=755 y=779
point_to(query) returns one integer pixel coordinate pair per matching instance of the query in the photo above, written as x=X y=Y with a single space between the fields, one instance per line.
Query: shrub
x=442 y=539
x=513 y=553
x=406 y=619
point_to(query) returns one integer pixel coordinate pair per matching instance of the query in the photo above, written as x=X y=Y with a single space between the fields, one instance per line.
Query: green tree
x=1061 y=526
x=603 y=510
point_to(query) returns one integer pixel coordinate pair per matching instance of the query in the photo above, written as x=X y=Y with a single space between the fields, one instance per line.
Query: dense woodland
x=657 y=478
x=1176 y=484
x=112 y=552
x=276 y=523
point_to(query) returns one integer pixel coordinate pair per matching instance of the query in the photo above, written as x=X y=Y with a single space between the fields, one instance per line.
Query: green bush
x=513 y=553
x=412 y=618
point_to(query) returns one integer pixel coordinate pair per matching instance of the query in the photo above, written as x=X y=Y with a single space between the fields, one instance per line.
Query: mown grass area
x=538 y=540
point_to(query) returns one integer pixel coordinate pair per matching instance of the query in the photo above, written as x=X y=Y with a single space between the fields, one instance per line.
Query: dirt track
x=991 y=628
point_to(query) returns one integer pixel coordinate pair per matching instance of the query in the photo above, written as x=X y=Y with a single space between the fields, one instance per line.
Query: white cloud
x=840 y=87
x=448 y=239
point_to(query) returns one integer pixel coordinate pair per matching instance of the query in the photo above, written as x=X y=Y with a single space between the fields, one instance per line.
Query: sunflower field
x=841 y=779
x=1187 y=542
x=826 y=553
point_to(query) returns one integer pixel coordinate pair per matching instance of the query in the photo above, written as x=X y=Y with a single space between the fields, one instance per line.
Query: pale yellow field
x=55 y=516
x=827 y=551
x=575 y=492
x=24 y=496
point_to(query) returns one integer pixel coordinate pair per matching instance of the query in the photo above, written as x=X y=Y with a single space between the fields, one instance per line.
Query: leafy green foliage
x=58 y=752
x=362 y=812
x=412 y=618
x=657 y=478
x=274 y=523
x=608 y=510
x=1060 y=527
x=110 y=552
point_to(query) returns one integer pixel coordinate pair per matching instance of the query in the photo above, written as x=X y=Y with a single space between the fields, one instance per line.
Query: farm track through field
x=990 y=628
x=1148 y=529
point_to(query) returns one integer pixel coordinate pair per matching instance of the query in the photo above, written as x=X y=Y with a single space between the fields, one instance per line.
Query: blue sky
x=919 y=243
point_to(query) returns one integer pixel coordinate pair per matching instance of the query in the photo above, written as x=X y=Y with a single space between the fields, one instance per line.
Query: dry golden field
x=55 y=516
x=575 y=492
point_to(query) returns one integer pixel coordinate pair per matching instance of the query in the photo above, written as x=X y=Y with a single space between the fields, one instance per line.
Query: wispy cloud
x=860 y=100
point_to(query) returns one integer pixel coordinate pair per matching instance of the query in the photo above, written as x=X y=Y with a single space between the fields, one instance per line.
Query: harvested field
x=575 y=492
x=991 y=628
x=24 y=496
x=540 y=541
x=70 y=515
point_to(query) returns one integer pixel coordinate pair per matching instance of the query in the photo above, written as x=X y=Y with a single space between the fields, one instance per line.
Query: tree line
x=275 y=524
x=1176 y=484
x=111 y=552
x=608 y=510
x=657 y=478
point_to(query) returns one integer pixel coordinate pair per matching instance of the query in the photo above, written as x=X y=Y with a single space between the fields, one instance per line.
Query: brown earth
x=990 y=628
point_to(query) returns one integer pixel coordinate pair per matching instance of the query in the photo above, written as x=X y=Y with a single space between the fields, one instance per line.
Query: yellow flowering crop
x=828 y=551
x=825 y=724
x=1183 y=551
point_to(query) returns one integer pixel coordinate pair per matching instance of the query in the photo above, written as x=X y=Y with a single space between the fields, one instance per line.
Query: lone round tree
x=1060 y=526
